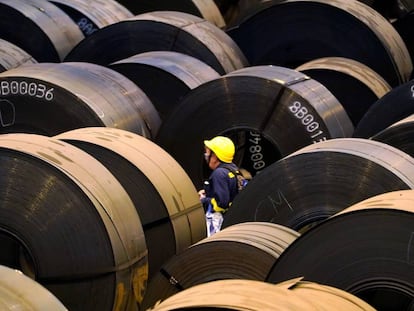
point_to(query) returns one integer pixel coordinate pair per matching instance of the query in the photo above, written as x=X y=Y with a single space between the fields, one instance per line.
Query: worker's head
x=222 y=147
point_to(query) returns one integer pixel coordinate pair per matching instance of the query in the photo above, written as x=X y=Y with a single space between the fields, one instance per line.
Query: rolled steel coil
x=269 y=111
x=394 y=106
x=38 y=27
x=290 y=33
x=292 y=295
x=11 y=56
x=356 y=86
x=207 y=10
x=161 y=31
x=19 y=292
x=243 y=251
x=404 y=26
x=91 y=15
x=165 y=76
x=163 y=194
x=49 y=99
x=316 y=182
x=366 y=250
x=68 y=223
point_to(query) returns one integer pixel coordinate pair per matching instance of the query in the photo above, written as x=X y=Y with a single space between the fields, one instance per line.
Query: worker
x=221 y=187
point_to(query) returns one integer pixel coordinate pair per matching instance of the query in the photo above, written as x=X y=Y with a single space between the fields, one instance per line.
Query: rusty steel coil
x=366 y=250
x=207 y=10
x=164 y=197
x=11 y=56
x=161 y=31
x=316 y=182
x=269 y=111
x=290 y=33
x=394 y=106
x=68 y=223
x=165 y=76
x=356 y=86
x=49 y=99
x=91 y=15
x=292 y=295
x=19 y=292
x=243 y=251
x=38 y=27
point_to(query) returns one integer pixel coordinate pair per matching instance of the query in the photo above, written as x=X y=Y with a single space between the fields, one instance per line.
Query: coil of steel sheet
x=404 y=26
x=366 y=250
x=19 y=292
x=290 y=33
x=355 y=85
x=165 y=76
x=48 y=99
x=163 y=194
x=243 y=251
x=91 y=15
x=161 y=31
x=38 y=27
x=11 y=56
x=394 y=106
x=68 y=223
x=256 y=295
x=207 y=10
x=268 y=111
x=316 y=182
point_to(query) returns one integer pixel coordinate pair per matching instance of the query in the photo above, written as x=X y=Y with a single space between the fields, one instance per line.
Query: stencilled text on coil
x=308 y=120
x=34 y=89
x=255 y=150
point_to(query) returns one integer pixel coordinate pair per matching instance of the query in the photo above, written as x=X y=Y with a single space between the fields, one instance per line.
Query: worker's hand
x=201 y=194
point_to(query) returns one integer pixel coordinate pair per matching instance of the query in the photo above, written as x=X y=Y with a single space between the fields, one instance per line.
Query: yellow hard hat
x=223 y=147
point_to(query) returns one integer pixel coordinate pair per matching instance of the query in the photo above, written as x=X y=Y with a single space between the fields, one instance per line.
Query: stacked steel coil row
x=103 y=109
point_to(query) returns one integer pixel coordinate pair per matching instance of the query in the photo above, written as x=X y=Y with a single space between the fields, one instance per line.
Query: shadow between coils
x=163 y=195
x=243 y=251
x=356 y=86
x=290 y=33
x=165 y=76
x=39 y=28
x=68 y=223
x=93 y=14
x=269 y=111
x=11 y=56
x=316 y=182
x=394 y=106
x=49 y=98
x=161 y=31
x=365 y=250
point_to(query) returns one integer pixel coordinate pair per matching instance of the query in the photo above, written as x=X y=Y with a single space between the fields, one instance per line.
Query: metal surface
x=163 y=195
x=48 y=99
x=73 y=220
x=293 y=32
x=355 y=85
x=165 y=76
x=316 y=182
x=374 y=260
x=91 y=15
x=269 y=111
x=11 y=56
x=243 y=251
x=161 y=31
x=39 y=28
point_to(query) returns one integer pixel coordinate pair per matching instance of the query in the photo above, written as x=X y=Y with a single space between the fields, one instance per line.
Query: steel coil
x=316 y=182
x=269 y=111
x=161 y=31
x=68 y=223
x=91 y=15
x=163 y=195
x=356 y=86
x=39 y=28
x=243 y=251
x=366 y=250
x=11 y=56
x=165 y=76
x=291 y=33
x=49 y=99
